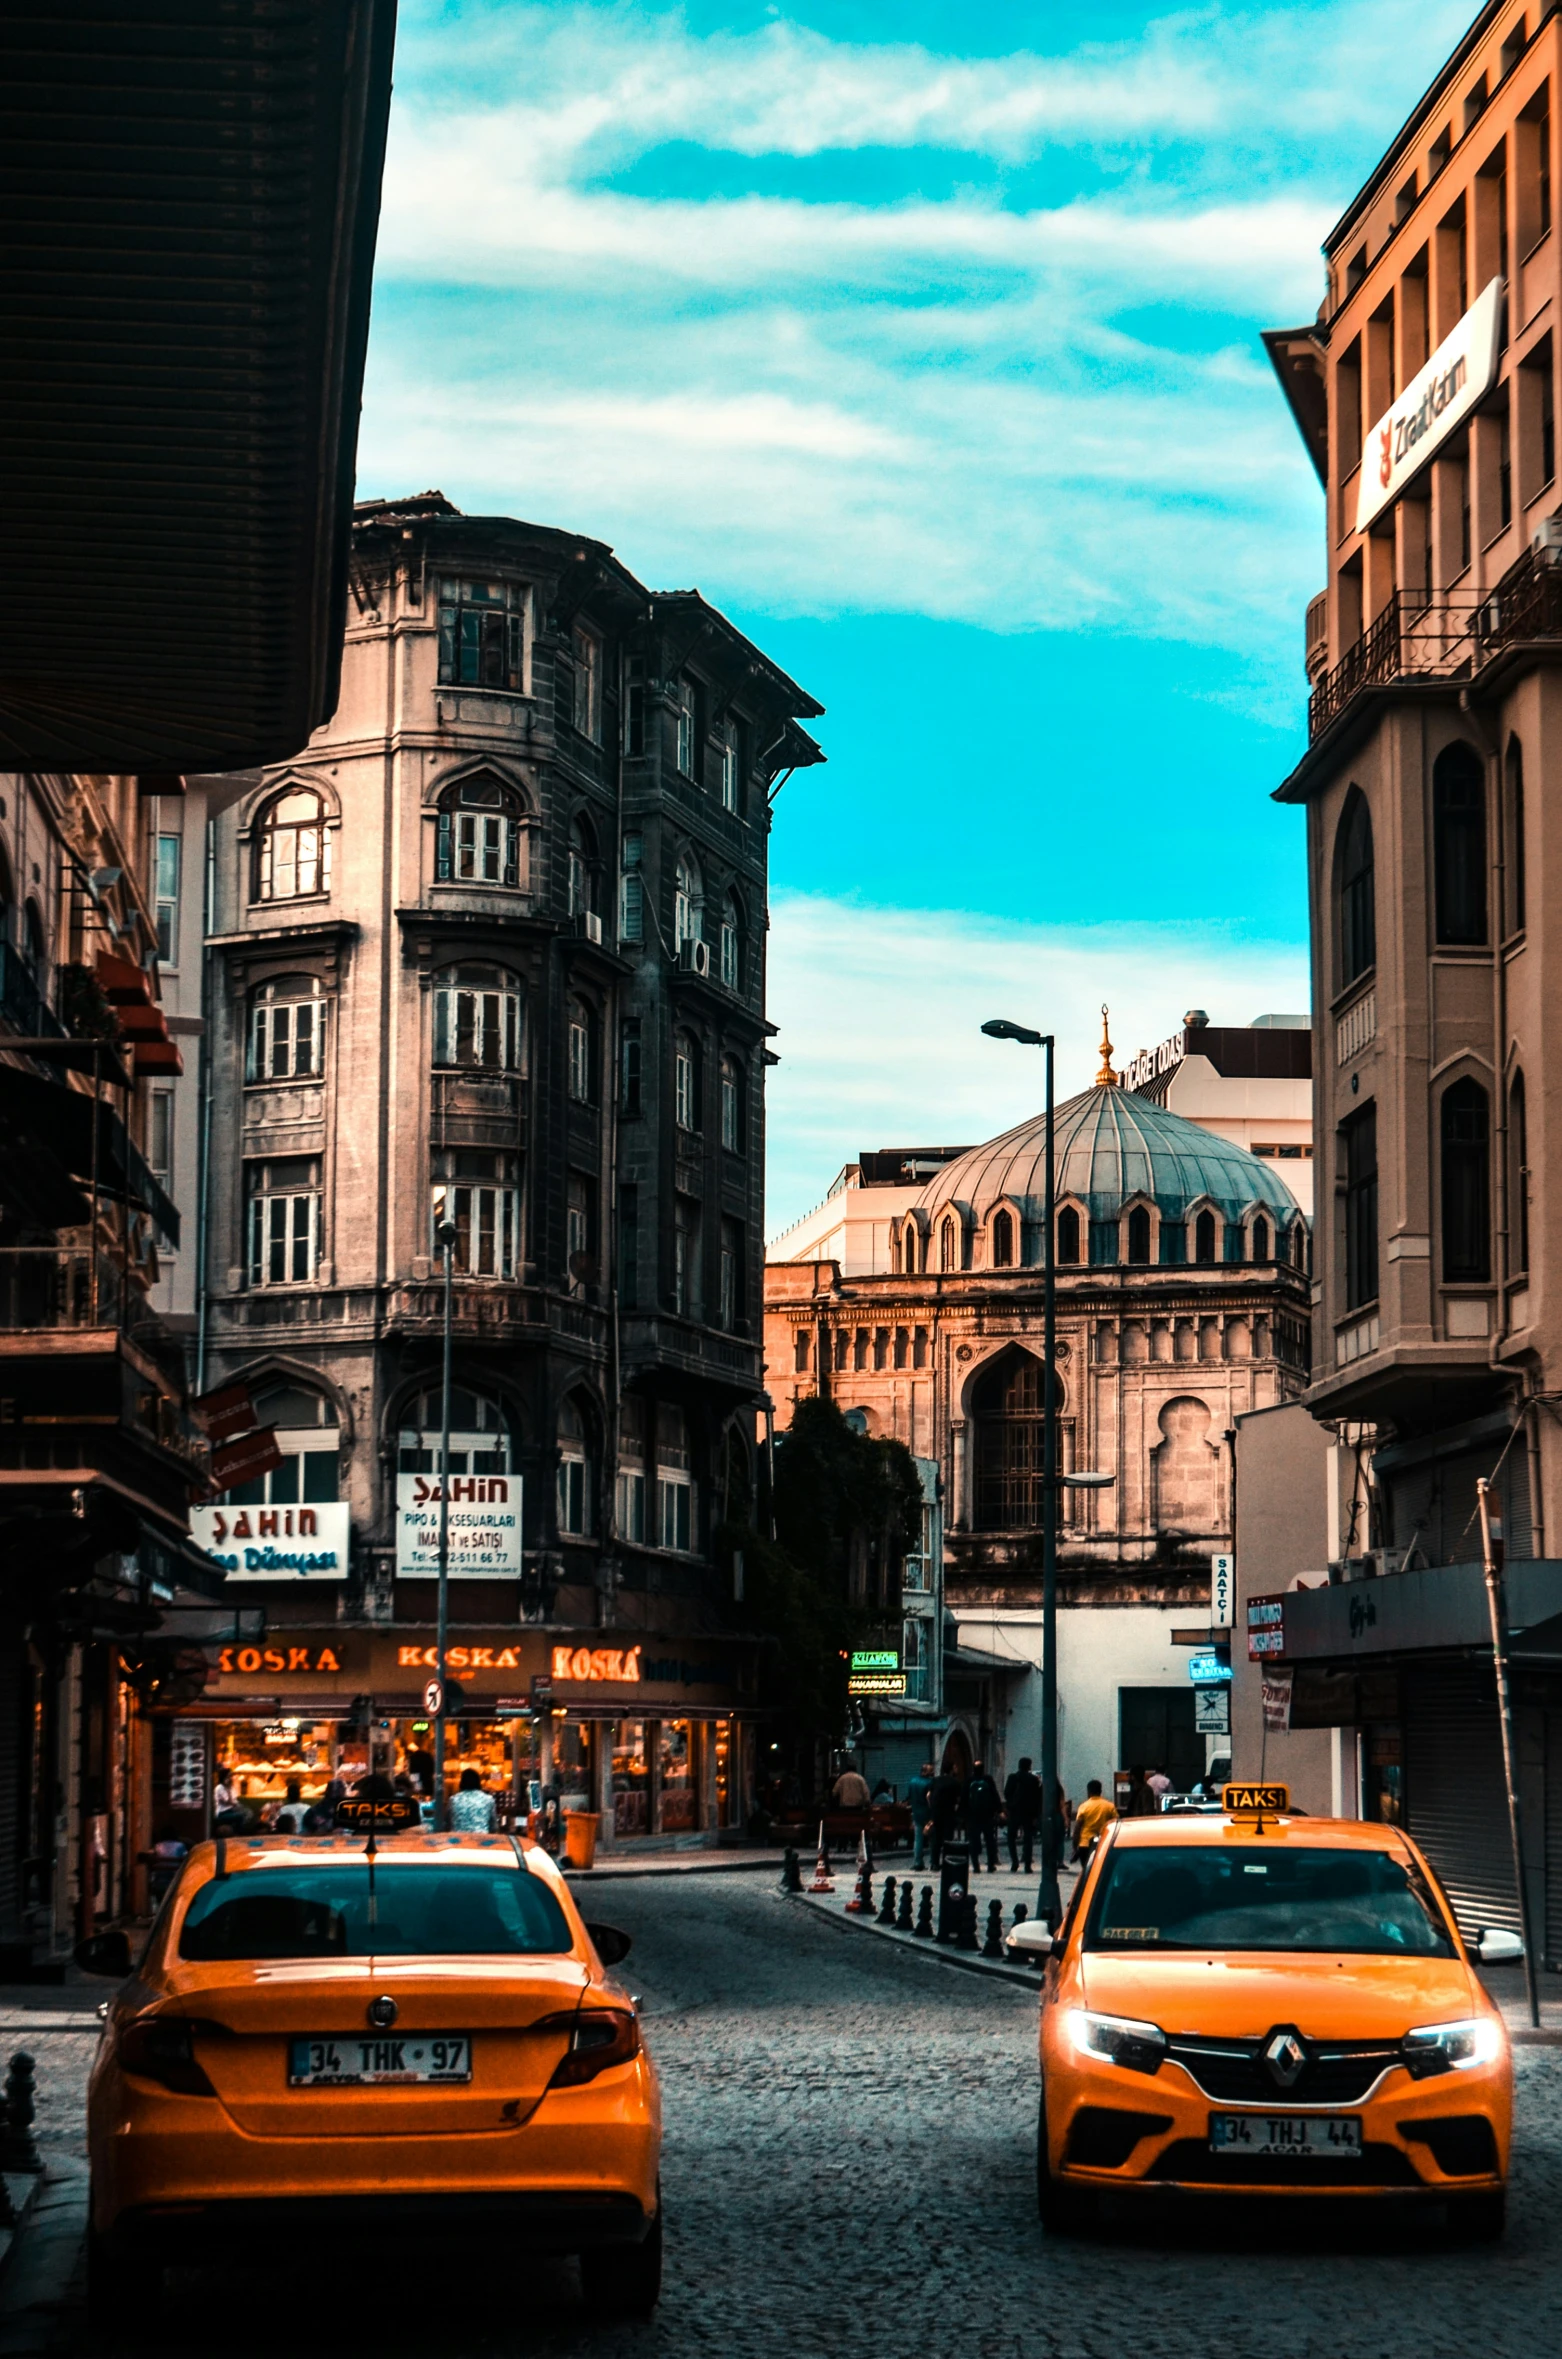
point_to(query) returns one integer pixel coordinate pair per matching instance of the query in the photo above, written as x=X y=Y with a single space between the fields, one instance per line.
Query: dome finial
x=1106 y=1078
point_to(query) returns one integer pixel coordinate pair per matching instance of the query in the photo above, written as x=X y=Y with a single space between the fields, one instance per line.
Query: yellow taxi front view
x=420 y=2033
x=1262 y=2003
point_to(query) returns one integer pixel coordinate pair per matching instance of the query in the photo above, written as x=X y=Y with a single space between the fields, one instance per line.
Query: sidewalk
x=612 y=1866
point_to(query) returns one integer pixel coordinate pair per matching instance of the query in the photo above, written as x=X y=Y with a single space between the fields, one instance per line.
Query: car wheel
x=1063 y=2209
x=625 y=2280
x=124 y=2290
x=1481 y=2219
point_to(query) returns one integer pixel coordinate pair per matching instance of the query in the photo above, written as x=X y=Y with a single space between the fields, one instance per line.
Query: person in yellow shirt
x=1095 y=1812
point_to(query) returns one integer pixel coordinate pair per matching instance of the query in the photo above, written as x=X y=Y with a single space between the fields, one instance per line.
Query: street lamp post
x=1049 y=1899
x=445 y=1238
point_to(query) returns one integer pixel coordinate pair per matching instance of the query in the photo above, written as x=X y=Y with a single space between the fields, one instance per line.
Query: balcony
x=80 y=1349
x=1449 y=635
x=23 y=1008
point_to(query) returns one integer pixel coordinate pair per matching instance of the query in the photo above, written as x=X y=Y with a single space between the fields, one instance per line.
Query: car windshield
x=294 y=1911
x=1265 y=1896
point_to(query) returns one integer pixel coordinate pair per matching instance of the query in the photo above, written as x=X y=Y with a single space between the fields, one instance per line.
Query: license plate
x=1329 y=2136
x=349 y=2062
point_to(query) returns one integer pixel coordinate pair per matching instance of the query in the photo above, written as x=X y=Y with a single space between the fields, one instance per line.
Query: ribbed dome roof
x=1111 y=1146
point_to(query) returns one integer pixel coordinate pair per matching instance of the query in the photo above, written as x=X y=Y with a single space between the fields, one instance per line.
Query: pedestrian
x=1160 y=1786
x=983 y=1809
x=1022 y=1814
x=917 y=1791
x=1095 y=1813
x=850 y=1790
x=290 y=1818
x=1143 y=1801
x=471 y=1810
x=943 y=1811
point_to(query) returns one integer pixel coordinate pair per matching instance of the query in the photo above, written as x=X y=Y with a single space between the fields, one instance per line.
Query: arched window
x=307 y=1436
x=1003 y=1240
x=1139 y=1235
x=1068 y=1234
x=1260 y=1239
x=477 y=1019
x=734 y=1129
x=582 y=868
x=949 y=1244
x=1466 y=1129
x=688 y=902
x=481 y=839
x=908 y=1248
x=1357 y=908
x=1518 y=1177
x=1204 y=1237
x=1514 y=769
x=732 y=943
x=480 y=1438
x=293 y=847
x=583 y=1061
x=1007 y=1403
x=1298 y=1245
x=686 y=1080
x=575 y=1485
x=481 y=1194
x=1459 y=844
x=287 y=1029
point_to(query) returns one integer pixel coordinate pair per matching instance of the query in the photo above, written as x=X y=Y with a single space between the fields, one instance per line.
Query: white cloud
x=880 y=1013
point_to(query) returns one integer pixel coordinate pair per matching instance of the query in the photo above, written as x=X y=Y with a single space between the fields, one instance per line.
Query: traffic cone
x=861 y=1901
x=823 y=1880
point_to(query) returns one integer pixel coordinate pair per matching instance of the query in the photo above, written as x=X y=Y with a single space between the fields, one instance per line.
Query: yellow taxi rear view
x=416 y=2033
x=1260 y=2003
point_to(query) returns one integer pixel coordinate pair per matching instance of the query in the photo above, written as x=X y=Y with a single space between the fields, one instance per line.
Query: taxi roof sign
x=1251 y=1801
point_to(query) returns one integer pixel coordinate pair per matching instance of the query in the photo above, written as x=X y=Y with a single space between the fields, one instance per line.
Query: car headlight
x=1452 y=2047
x=1117 y=2039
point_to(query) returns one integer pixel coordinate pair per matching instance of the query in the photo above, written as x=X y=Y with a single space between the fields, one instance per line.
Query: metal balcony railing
x=23 y=1008
x=1445 y=634
x=44 y=1287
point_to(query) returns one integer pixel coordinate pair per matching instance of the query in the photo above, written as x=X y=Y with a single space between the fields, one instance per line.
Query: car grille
x=1234 y=2071
x=1190 y=2163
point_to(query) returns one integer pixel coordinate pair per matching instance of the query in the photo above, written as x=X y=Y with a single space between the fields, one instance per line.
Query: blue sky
x=925 y=341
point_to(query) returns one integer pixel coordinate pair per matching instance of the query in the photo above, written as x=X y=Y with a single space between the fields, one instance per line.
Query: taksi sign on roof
x=1437 y=400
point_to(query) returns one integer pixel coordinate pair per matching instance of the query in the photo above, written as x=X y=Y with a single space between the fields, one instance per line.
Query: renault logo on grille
x=1286 y=2058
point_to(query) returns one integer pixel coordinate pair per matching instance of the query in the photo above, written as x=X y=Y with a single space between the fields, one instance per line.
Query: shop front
x=655 y=1737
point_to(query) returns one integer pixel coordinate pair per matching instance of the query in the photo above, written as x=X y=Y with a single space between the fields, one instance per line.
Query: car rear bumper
x=553 y=2220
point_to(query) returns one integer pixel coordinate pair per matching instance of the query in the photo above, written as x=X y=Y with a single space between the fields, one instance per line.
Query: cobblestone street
x=849 y=2170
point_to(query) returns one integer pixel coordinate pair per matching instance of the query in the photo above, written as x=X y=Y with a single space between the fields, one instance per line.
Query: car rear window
x=327 y=1911
x=1265 y=1896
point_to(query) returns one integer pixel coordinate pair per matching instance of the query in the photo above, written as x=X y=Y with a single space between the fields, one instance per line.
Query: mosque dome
x=1114 y=1150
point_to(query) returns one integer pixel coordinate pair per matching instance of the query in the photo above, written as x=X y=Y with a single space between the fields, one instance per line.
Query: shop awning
x=1437 y=1607
x=187 y=224
x=60 y=1121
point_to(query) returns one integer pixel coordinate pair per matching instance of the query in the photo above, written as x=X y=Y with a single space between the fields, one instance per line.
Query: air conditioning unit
x=589 y=926
x=1547 y=543
x=694 y=958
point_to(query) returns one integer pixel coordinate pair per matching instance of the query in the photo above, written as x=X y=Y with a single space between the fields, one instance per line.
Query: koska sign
x=1437 y=400
x=275 y=1543
x=485 y=1526
x=597 y=1662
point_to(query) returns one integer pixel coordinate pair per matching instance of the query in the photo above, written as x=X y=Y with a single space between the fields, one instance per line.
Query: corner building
x=1425 y=391
x=498 y=932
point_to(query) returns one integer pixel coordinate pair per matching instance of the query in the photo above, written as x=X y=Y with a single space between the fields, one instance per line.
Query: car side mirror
x=1031 y=1942
x=1494 y=1946
x=105 y=1953
x=612 y=1946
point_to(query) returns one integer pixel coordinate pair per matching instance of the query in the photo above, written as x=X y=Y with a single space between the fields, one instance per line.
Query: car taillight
x=599 y=2036
x=161 y=2048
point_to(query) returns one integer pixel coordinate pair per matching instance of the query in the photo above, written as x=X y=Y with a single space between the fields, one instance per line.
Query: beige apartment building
x=1425 y=391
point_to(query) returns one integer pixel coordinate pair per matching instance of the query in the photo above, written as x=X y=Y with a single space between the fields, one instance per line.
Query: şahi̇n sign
x=485 y=1526
x=1438 y=398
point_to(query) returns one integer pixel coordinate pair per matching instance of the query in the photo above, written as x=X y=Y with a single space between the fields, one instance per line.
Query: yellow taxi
x=1259 y=2003
x=369 y=2033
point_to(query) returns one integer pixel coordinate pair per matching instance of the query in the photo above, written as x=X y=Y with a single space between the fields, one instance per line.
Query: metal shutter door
x=1457 y=1800
x=1552 y=1945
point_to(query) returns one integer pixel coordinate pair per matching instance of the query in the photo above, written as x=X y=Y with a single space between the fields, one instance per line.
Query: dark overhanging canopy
x=189 y=193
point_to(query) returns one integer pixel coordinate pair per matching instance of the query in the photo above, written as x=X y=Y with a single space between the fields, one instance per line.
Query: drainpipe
x=1493 y=755
x=204 y=1155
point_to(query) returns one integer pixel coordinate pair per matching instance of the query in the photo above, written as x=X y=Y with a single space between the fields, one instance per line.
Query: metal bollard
x=992 y=1947
x=887 y=1905
x=18 y=2151
x=791 y=1872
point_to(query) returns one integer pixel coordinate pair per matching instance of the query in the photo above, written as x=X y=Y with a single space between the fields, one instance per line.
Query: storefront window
x=675 y=1763
x=1383 y=1773
x=574 y=1757
x=631 y=1779
x=722 y=1735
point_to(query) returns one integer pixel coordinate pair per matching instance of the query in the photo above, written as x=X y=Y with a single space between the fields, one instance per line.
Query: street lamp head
x=444 y=1226
x=999 y=1028
x=1088 y=1482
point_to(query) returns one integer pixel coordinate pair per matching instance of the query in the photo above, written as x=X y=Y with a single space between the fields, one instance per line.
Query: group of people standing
x=947 y=1807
